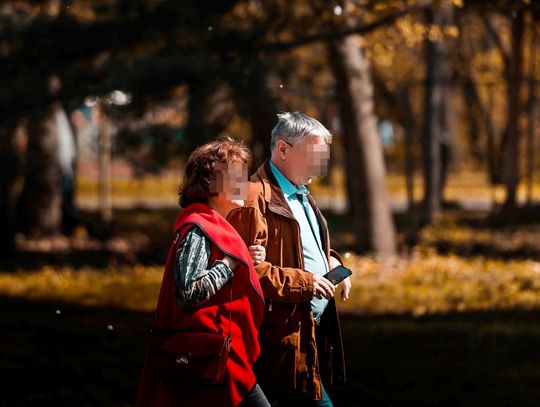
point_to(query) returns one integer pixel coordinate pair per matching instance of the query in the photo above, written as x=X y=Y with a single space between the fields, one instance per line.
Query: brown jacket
x=292 y=360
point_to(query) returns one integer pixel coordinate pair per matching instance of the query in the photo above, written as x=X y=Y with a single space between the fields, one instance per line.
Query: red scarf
x=247 y=308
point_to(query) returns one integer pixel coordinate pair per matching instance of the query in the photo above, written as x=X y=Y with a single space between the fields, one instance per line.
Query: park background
x=432 y=193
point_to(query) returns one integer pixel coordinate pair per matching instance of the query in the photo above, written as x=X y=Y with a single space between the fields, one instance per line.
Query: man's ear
x=282 y=148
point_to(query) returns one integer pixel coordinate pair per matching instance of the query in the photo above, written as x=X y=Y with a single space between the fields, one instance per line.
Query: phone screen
x=338 y=274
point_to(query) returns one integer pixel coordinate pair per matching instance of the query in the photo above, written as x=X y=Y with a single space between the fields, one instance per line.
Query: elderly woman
x=209 y=286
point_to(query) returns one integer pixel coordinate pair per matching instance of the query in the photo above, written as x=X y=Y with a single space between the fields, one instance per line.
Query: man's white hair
x=294 y=126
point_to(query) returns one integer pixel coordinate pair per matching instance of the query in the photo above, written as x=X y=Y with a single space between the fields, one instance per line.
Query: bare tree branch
x=504 y=48
x=361 y=29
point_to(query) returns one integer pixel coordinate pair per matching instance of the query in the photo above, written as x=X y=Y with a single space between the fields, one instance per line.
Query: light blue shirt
x=315 y=260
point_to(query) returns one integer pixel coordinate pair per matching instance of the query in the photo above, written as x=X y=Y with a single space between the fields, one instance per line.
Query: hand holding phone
x=338 y=274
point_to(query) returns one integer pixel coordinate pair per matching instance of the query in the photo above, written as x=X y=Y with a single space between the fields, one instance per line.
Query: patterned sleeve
x=194 y=281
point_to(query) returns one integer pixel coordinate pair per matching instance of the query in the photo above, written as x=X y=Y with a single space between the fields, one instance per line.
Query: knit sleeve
x=195 y=281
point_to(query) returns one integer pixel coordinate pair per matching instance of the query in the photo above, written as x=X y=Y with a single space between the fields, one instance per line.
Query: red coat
x=247 y=308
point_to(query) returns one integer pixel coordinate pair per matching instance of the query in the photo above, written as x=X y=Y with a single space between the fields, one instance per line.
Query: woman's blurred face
x=230 y=183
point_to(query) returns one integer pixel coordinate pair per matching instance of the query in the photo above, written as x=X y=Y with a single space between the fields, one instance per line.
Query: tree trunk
x=434 y=118
x=41 y=200
x=531 y=110
x=8 y=173
x=105 y=179
x=203 y=124
x=355 y=186
x=325 y=112
x=261 y=111
x=366 y=173
x=447 y=132
x=408 y=139
x=512 y=150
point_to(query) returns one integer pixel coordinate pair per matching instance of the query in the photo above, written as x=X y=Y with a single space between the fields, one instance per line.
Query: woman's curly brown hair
x=201 y=165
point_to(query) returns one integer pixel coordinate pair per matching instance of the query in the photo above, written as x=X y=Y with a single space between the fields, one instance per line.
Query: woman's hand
x=229 y=261
x=257 y=252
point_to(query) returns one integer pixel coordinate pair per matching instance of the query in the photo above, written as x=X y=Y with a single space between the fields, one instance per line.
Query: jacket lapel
x=273 y=194
x=275 y=199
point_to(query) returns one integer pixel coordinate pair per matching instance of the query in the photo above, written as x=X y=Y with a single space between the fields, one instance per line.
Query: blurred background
x=432 y=193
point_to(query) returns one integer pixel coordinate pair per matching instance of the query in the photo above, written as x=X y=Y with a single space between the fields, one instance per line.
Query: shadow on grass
x=475 y=249
x=67 y=355
x=73 y=359
x=499 y=235
x=144 y=236
x=136 y=236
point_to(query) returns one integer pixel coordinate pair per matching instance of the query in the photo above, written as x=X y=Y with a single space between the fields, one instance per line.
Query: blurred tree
x=505 y=157
x=515 y=106
x=532 y=101
x=366 y=180
x=8 y=169
x=437 y=135
x=243 y=60
x=40 y=205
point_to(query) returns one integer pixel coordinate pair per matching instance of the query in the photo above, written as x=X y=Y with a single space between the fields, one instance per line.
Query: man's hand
x=346 y=283
x=346 y=289
x=322 y=288
x=333 y=263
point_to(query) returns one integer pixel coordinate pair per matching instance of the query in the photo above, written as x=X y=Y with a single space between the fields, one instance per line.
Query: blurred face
x=305 y=160
x=230 y=183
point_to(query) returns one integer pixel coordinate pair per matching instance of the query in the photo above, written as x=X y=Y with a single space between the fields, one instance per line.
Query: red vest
x=247 y=309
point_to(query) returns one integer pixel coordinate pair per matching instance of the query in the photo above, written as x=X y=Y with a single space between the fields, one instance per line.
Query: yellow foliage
x=429 y=283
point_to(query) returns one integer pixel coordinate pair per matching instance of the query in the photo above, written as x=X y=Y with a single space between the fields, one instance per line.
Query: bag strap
x=170 y=263
x=230 y=315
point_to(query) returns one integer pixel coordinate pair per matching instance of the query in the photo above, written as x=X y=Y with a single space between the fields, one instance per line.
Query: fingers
x=333 y=262
x=322 y=287
x=257 y=253
x=328 y=287
x=230 y=262
x=346 y=289
x=345 y=293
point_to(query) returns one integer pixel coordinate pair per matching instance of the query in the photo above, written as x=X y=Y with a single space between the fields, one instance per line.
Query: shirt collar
x=288 y=188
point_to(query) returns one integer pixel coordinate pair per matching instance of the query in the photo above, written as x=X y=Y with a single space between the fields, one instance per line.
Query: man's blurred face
x=308 y=159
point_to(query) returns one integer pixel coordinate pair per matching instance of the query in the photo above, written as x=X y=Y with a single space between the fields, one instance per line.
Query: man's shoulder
x=255 y=193
x=258 y=189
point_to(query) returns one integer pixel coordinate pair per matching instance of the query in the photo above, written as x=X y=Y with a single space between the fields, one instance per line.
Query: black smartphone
x=338 y=274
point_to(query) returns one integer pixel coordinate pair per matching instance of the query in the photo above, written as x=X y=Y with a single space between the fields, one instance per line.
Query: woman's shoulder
x=194 y=232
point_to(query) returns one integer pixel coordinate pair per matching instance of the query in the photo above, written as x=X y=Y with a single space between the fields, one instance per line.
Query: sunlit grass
x=133 y=288
x=148 y=186
x=430 y=283
x=461 y=184
x=425 y=284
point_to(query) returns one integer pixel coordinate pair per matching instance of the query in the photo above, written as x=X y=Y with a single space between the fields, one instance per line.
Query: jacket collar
x=288 y=188
x=273 y=194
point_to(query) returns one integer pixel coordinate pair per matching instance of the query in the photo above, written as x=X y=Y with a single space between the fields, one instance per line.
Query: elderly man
x=300 y=337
